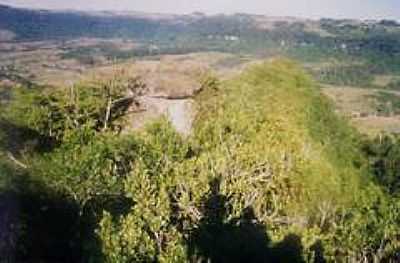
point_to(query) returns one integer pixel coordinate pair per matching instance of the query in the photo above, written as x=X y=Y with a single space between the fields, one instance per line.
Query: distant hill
x=197 y=32
x=33 y=24
x=42 y=24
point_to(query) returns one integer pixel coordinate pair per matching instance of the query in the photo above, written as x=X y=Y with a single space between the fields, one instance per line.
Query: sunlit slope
x=278 y=133
x=277 y=146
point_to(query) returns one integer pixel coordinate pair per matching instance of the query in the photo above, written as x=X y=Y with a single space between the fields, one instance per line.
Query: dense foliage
x=384 y=160
x=270 y=174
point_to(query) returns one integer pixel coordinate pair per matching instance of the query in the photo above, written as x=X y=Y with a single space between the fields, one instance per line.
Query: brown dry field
x=358 y=105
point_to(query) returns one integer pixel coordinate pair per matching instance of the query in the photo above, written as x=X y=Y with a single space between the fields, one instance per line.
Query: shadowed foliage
x=40 y=225
x=17 y=138
x=31 y=217
x=241 y=239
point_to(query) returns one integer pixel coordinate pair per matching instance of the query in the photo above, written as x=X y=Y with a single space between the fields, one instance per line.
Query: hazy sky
x=364 y=9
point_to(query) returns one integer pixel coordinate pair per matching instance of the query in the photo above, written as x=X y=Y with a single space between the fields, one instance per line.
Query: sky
x=361 y=9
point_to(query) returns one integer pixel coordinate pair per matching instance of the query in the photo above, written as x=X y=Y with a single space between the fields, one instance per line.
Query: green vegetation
x=384 y=159
x=270 y=173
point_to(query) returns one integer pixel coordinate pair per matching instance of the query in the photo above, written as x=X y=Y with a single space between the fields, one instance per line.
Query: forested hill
x=32 y=24
x=29 y=24
x=270 y=174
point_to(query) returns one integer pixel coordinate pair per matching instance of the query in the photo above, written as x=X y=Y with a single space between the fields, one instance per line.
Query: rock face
x=171 y=87
x=180 y=113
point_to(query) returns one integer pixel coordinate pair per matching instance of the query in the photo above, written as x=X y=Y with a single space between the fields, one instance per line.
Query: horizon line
x=203 y=12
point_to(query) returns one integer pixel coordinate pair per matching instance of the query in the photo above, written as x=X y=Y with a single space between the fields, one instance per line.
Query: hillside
x=270 y=173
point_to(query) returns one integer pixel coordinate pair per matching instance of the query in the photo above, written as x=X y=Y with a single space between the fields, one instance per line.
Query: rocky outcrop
x=170 y=88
